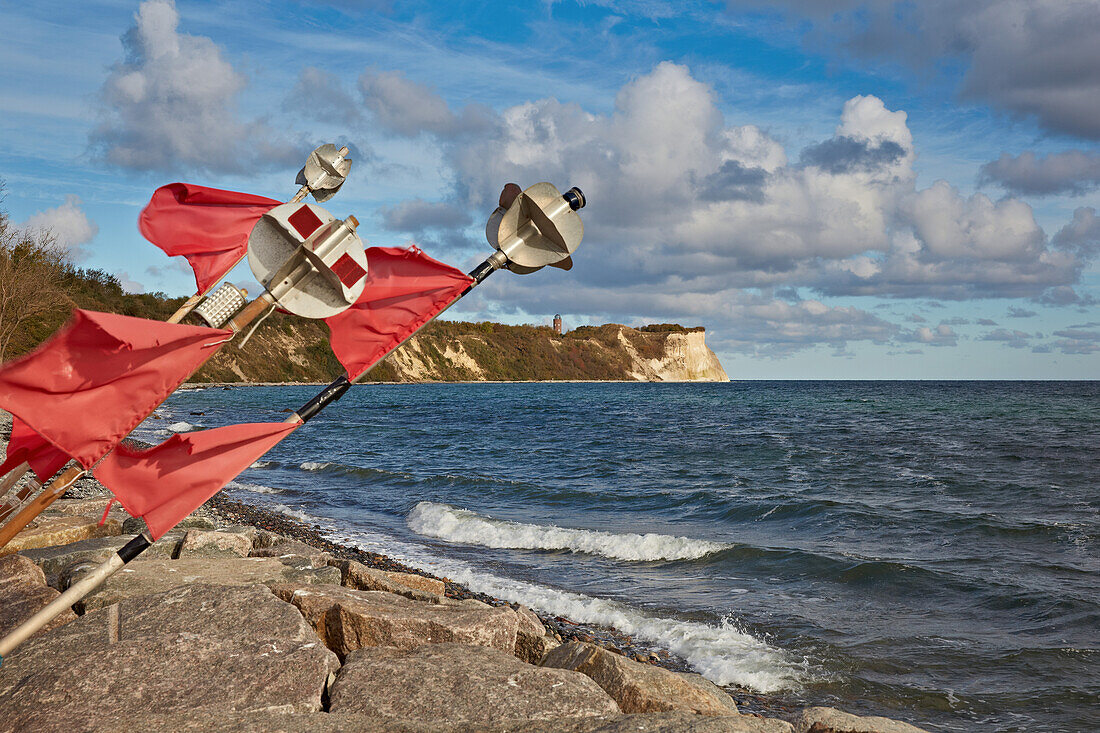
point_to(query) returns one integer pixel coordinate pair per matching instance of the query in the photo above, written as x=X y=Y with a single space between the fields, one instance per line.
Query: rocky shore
x=241 y=619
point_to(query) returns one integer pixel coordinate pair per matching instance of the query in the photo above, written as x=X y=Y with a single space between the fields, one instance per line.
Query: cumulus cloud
x=688 y=209
x=407 y=108
x=1082 y=235
x=172 y=103
x=1080 y=339
x=68 y=224
x=1015 y=311
x=1012 y=338
x=321 y=94
x=129 y=285
x=941 y=335
x=1073 y=172
x=1029 y=57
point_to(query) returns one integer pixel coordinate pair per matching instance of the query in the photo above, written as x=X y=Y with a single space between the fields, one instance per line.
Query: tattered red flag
x=405 y=289
x=27 y=446
x=208 y=226
x=94 y=380
x=169 y=481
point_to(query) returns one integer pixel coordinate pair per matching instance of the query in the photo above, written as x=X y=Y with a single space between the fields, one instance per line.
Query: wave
x=254 y=488
x=723 y=653
x=461 y=525
x=180 y=427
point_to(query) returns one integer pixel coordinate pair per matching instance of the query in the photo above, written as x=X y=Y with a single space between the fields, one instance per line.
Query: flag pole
x=60 y=484
x=323 y=175
x=329 y=394
x=97 y=576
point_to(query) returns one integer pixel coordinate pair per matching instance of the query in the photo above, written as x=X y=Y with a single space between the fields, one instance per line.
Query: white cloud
x=68 y=224
x=691 y=218
x=1073 y=172
x=172 y=102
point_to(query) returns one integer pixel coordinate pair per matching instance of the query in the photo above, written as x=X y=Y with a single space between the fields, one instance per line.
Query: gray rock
x=218 y=721
x=359 y=576
x=831 y=720
x=23 y=592
x=136 y=525
x=348 y=619
x=293 y=552
x=440 y=684
x=531 y=640
x=142 y=578
x=89 y=508
x=672 y=722
x=56 y=562
x=642 y=688
x=192 y=648
x=214 y=543
x=49 y=531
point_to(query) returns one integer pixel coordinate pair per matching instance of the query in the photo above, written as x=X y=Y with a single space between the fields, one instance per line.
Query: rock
x=136 y=525
x=23 y=592
x=89 y=508
x=359 y=576
x=188 y=649
x=293 y=552
x=141 y=578
x=208 y=543
x=348 y=619
x=672 y=722
x=218 y=721
x=58 y=562
x=50 y=531
x=641 y=688
x=439 y=684
x=831 y=720
x=531 y=640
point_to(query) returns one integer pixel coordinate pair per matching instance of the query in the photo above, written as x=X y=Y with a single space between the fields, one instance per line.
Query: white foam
x=254 y=488
x=295 y=513
x=180 y=427
x=314 y=466
x=261 y=464
x=460 y=525
x=723 y=653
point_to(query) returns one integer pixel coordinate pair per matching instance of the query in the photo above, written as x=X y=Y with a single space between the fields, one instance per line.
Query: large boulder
x=673 y=722
x=642 y=688
x=60 y=530
x=348 y=619
x=59 y=562
x=532 y=641
x=831 y=720
x=88 y=508
x=23 y=592
x=293 y=552
x=212 y=543
x=192 y=648
x=440 y=684
x=158 y=575
x=417 y=587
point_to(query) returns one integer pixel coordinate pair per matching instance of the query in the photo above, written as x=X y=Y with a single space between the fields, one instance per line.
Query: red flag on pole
x=405 y=289
x=208 y=226
x=30 y=447
x=169 y=481
x=92 y=382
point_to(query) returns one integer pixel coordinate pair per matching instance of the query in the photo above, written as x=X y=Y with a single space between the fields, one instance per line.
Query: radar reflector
x=312 y=263
x=540 y=227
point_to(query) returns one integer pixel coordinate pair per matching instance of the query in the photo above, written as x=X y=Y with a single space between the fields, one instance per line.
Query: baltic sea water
x=928 y=551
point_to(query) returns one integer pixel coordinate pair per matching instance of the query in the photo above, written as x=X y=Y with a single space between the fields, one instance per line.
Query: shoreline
x=224 y=509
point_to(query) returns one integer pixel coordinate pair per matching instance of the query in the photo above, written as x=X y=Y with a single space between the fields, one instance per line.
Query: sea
x=928 y=551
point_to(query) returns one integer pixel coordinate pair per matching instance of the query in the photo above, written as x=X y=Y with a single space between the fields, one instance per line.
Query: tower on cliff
x=557 y=323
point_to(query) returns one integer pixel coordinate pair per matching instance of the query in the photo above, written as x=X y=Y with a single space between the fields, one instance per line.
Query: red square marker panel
x=304 y=221
x=348 y=270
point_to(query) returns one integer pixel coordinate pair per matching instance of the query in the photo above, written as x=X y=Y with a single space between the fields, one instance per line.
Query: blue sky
x=834 y=189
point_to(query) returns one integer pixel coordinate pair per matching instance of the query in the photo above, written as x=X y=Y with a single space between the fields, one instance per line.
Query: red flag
x=101 y=375
x=28 y=446
x=208 y=226
x=405 y=289
x=169 y=481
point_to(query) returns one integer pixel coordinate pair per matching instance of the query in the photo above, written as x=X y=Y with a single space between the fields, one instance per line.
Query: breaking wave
x=461 y=525
x=181 y=427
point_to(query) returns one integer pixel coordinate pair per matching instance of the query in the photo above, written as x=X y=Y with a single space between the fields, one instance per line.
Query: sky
x=835 y=189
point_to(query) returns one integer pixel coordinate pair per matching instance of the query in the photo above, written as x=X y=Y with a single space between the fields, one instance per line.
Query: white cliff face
x=688 y=359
